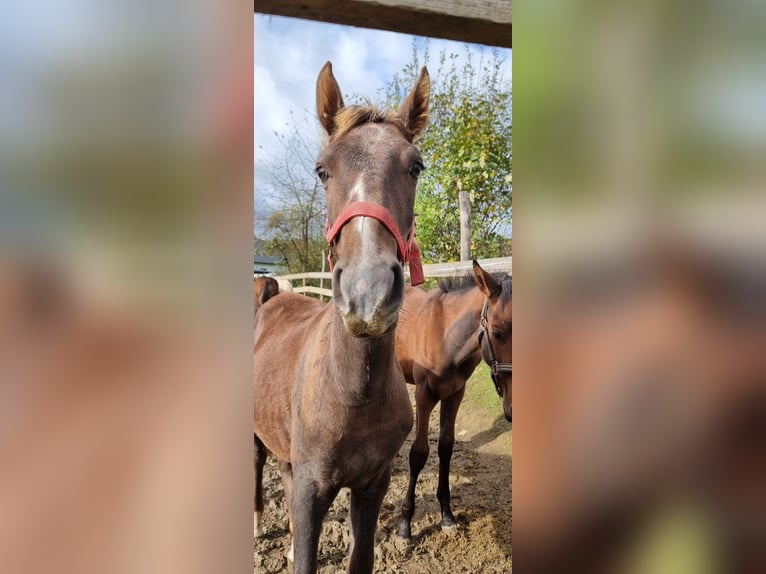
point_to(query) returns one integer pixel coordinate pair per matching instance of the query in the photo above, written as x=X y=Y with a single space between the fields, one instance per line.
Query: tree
x=468 y=148
x=294 y=225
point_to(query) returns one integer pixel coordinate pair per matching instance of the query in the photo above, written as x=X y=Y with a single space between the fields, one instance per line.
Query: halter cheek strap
x=407 y=251
x=488 y=353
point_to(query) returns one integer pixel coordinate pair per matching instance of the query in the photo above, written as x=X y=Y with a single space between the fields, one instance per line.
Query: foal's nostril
x=391 y=289
x=337 y=290
x=397 y=289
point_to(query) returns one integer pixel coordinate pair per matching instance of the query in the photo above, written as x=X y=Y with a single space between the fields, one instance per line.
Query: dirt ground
x=480 y=481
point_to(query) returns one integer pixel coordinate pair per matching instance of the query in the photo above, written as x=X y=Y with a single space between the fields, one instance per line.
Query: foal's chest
x=361 y=442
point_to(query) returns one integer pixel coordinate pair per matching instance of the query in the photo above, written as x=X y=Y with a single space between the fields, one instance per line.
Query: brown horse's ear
x=486 y=283
x=271 y=288
x=329 y=98
x=414 y=108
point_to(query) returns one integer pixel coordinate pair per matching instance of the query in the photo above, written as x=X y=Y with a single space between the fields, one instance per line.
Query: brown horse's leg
x=447 y=416
x=365 y=508
x=310 y=502
x=286 y=472
x=260 y=461
x=425 y=403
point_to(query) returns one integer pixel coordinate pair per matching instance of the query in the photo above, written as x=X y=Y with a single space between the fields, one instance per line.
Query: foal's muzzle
x=368 y=296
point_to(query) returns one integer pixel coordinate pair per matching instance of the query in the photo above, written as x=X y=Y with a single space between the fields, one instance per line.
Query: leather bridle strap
x=488 y=353
x=407 y=251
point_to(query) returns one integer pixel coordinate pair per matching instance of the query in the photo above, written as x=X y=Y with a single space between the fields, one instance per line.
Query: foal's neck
x=462 y=312
x=362 y=369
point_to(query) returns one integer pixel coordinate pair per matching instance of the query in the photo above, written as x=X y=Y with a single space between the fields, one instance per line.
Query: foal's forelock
x=351 y=117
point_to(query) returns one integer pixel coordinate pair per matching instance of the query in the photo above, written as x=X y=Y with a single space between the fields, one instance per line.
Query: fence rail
x=496 y=265
x=434 y=270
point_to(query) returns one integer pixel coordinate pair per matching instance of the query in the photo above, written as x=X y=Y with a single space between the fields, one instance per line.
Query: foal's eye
x=498 y=335
x=321 y=173
x=417 y=168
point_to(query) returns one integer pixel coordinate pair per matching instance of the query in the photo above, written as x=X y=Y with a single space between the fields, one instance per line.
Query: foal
x=330 y=398
x=441 y=337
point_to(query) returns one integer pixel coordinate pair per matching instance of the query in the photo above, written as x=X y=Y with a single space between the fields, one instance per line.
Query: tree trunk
x=465 y=225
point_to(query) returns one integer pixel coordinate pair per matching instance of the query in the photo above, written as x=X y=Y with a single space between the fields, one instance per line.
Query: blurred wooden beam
x=481 y=21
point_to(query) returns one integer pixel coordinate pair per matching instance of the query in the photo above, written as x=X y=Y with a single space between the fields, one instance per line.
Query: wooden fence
x=435 y=270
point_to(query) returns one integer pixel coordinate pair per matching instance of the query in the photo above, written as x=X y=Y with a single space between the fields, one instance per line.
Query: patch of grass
x=480 y=391
x=484 y=409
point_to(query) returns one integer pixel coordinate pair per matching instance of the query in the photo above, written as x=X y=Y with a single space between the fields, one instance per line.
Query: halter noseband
x=407 y=251
x=487 y=353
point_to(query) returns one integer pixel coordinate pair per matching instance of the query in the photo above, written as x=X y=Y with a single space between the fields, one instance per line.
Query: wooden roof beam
x=480 y=21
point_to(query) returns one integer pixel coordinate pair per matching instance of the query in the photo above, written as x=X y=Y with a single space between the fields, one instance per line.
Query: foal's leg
x=260 y=460
x=286 y=472
x=365 y=508
x=447 y=416
x=310 y=502
x=425 y=403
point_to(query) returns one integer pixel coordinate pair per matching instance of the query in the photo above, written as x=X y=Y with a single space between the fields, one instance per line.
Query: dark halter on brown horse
x=488 y=354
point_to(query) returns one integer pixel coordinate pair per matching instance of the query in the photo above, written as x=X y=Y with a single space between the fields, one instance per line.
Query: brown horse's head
x=369 y=163
x=496 y=344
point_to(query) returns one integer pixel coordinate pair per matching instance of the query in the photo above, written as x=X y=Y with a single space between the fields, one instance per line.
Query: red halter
x=408 y=251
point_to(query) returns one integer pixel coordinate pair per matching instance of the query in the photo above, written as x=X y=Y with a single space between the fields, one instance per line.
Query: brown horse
x=330 y=398
x=441 y=337
x=264 y=288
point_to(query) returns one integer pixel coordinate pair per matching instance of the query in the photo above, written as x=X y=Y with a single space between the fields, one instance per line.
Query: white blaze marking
x=358 y=194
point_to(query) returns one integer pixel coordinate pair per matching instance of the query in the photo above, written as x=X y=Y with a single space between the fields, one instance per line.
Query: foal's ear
x=414 y=108
x=486 y=283
x=329 y=98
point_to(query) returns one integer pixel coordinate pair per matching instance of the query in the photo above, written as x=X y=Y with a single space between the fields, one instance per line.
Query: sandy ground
x=480 y=482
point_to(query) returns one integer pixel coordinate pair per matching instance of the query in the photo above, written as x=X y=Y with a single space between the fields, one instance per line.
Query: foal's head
x=369 y=158
x=497 y=343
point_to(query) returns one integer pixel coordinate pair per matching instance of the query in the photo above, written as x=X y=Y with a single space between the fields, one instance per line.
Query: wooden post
x=465 y=225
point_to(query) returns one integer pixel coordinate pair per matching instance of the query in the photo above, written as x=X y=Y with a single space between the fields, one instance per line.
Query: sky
x=288 y=55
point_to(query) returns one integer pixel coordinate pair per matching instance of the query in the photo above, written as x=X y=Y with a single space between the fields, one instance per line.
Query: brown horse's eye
x=498 y=335
x=417 y=168
x=321 y=173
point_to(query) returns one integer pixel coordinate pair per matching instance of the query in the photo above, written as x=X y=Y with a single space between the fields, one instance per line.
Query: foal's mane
x=466 y=282
x=352 y=116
